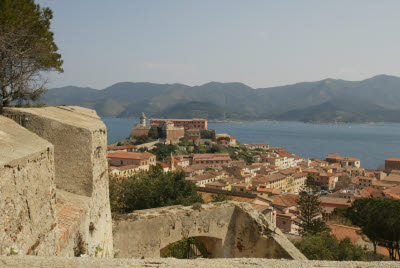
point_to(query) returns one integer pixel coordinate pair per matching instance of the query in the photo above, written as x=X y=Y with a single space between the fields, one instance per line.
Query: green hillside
x=375 y=99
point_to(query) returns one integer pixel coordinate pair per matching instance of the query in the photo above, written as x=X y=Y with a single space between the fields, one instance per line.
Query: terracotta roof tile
x=130 y=155
x=285 y=200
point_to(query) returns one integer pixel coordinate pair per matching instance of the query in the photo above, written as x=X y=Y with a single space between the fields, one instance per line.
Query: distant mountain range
x=376 y=99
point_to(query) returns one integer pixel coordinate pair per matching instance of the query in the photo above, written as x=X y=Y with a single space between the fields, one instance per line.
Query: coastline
x=274 y=120
x=304 y=122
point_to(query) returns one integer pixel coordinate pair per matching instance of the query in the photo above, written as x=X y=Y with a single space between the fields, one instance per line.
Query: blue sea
x=372 y=143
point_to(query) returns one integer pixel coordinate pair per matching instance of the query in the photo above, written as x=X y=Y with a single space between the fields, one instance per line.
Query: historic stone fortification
x=173 y=133
x=54 y=198
x=71 y=184
x=27 y=191
x=227 y=230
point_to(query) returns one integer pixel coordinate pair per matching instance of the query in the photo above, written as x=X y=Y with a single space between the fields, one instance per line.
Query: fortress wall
x=99 y=207
x=174 y=134
x=27 y=261
x=69 y=129
x=136 y=131
x=227 y=230
x=80 y=147
x=27 y=192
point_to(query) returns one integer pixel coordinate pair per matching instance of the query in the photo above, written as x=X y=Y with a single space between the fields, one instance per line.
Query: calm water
x=372 y=143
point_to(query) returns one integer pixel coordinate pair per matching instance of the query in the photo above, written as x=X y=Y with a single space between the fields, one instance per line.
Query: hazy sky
x=261 y=43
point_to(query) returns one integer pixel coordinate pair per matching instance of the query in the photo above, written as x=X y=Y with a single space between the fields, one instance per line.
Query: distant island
x=376 y=99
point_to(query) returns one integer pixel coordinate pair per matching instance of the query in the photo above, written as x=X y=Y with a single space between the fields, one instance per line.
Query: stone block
x=79 y=139
x=27 y=192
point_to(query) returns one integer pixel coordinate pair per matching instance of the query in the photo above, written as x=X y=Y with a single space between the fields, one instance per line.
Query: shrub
x=324 y=246
x=151 y=189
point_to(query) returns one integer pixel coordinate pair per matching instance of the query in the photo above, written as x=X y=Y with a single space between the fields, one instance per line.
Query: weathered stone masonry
x=81 y=178
x=27 y=191
x=227 y=230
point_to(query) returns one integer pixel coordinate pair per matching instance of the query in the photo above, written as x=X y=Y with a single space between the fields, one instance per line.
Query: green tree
x=143 y=149
x=338 y=216
x=163 y=151
x=379 y=219
x=27 y=50
x=310 y=221
x=151 y=189
x=246 y=157
x=141 y=139
x=153 y=133
x=361 y=214
x=324 y=246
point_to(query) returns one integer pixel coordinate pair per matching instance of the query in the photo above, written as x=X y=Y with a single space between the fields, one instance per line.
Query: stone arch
x=227 y=230
x=213 y=245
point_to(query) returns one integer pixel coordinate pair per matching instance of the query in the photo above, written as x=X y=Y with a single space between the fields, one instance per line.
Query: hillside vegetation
x=376 y=99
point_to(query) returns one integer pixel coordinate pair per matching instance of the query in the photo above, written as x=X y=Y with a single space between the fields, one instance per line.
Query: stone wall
x=227 y=230
x=73 y=132
x=80 y=146
x=27 y=192
x=139 y=130
x=174 y=134
x=26 y=261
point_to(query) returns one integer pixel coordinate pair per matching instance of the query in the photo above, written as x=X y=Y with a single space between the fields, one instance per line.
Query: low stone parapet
x=24 y=261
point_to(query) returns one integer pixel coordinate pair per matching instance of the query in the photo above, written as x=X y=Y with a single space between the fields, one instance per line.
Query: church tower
x=143 y=120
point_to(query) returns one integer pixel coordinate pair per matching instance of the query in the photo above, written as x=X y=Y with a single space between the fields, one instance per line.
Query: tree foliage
x=151 y=189
x=141 y=139
x=324 y=246
x=379 y=219
x=27 y=49
x=163 y=151
x=339 y=216
x=310 y=220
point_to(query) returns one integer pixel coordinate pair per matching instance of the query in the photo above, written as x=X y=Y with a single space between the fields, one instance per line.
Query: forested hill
x=376 y=99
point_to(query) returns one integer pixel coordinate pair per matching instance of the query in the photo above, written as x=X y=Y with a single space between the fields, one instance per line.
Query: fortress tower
x=143 y=120
x=140 y=129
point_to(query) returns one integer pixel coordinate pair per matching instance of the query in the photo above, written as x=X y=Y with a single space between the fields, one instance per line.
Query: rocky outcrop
x=227 y=230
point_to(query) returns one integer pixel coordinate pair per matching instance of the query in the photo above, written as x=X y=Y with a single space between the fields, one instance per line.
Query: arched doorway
x=188 y=248
x=193 y=247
